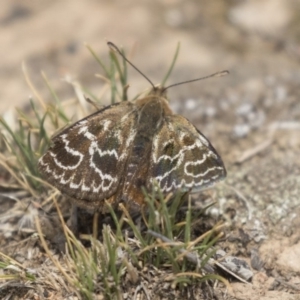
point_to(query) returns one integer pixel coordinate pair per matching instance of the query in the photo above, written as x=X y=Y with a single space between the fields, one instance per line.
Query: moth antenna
x=114 y=47
x=218 y=74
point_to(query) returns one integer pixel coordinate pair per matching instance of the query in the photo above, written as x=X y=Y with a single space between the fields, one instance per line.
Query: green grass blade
x=103 y=67
x=172 y=65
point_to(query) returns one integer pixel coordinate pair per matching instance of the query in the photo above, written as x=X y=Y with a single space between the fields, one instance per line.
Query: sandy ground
x=251 y=116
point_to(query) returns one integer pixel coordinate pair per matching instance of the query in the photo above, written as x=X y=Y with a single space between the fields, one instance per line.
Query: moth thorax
x=151 y=113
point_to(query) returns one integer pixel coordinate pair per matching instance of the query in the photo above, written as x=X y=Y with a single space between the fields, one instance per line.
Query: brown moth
x=119 y=150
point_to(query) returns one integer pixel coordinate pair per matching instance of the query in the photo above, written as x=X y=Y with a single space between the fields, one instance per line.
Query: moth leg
x=95 y=225
x=73 y=220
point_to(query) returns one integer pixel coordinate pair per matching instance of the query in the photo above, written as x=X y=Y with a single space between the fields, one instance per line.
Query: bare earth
x=252 y=116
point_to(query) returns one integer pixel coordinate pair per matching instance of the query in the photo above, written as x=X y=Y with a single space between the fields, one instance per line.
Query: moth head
x=158 y=91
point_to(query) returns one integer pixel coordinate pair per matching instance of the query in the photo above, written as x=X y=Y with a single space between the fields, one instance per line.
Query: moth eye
x=188 y=141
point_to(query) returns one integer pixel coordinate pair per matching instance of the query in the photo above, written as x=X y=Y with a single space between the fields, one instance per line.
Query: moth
x=116 y=152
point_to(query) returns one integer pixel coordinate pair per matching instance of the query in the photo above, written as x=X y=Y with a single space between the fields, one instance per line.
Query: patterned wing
x=182 y=158
x=85 y=160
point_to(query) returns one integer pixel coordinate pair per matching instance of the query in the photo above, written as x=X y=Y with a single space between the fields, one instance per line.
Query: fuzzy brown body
x=115 y=152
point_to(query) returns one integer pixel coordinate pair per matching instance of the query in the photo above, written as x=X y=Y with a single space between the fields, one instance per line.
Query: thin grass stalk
x=113 y=85
x=112 y=256
x=32 y=88
x=136 y=231
x=56 y=98
x=15 y=176
x=52 y=258
x=124 y=84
